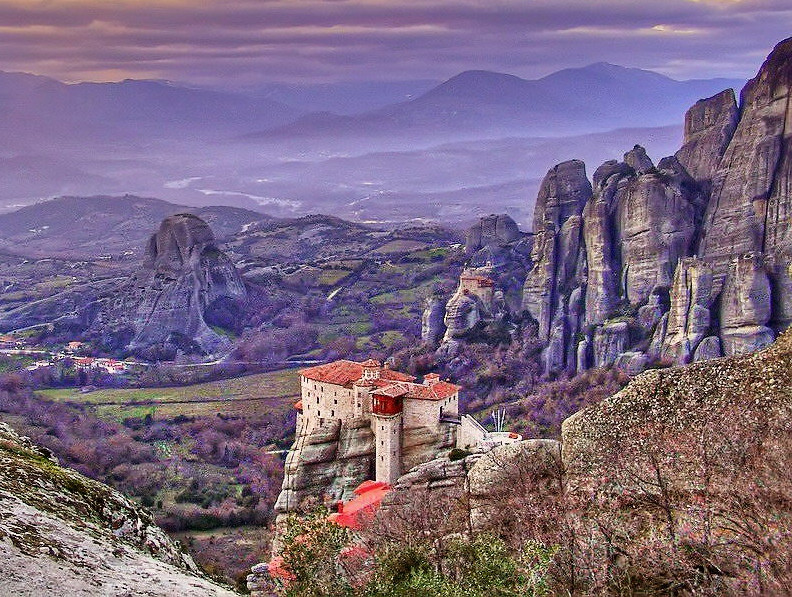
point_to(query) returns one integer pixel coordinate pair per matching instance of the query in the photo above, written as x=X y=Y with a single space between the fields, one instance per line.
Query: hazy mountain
x=36 y=109
x=91 y=226
x=346 y=97
x=474 y=103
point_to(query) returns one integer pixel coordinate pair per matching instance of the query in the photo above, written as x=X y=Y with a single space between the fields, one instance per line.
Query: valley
x=472 y=336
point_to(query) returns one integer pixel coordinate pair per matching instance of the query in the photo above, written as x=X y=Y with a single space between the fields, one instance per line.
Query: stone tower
x=386 y=409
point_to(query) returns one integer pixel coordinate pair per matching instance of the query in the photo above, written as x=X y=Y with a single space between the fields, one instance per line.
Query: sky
x=237 y=43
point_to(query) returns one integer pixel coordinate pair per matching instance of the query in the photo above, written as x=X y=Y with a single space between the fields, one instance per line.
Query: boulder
x=631 y=362
x=610 y=340
x=495 y=473
x=708 y=348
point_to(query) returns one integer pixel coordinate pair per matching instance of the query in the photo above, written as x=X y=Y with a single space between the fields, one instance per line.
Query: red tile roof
x=437 y=391
x=344 y=373
x=368 y=497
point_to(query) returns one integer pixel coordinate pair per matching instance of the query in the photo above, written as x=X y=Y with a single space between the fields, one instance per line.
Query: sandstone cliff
x=184 y=286
x=331 y=460
x=680 y=261
x=62 y=533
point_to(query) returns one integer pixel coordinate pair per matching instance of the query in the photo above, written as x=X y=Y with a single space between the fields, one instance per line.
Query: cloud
x=238 y=42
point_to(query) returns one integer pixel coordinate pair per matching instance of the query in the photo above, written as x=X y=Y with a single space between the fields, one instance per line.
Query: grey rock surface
x=64 y=534
x=184 y=285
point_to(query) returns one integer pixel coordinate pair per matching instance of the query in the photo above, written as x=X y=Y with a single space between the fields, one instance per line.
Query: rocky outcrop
x=462 y=313
x=709 y=127
x=746 y=306
x=493 y=230
x=673 y=407
x=649 y=260
x=329 y=461
x=689 y=318
x=432 y=322
x=185 y=285
x=750 y=205
x=62 y=533
x=557 y=240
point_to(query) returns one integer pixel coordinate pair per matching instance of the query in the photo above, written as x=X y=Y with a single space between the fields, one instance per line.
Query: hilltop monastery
x=345 y=390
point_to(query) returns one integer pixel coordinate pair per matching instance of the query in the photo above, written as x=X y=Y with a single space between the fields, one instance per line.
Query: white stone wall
x=387 y=447
x=426 y=413
x=470 y=433
x=322 y=400
x=362 y=401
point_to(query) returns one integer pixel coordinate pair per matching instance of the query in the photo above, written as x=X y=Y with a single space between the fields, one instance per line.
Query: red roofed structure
x=345 y=373
x=392 y=401
x=368 y=497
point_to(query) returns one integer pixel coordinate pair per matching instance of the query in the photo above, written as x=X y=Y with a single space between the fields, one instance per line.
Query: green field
x=237 y=396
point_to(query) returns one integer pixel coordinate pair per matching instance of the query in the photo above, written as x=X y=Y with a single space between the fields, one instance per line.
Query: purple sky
x=241 y=42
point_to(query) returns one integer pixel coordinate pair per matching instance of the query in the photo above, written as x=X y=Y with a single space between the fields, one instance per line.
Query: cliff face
x=330 y=461
x=62 y=533
x=680 y=261
x=185 y=285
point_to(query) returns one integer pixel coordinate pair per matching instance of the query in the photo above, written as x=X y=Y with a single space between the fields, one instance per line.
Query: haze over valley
x=451 y=151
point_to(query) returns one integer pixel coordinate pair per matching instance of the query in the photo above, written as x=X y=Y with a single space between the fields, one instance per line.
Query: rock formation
x=336 y=457
x=62 y=533
x=709 y=127
x=685 y=402
x=557 y=237
x=650 y=260
x=493 y=230
x=185 y=285
x=432 y=325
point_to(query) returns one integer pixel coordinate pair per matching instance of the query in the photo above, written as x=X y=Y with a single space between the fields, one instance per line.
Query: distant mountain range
x=345 y=97
x=392 y=152
x=35 y=109
x=597 y=97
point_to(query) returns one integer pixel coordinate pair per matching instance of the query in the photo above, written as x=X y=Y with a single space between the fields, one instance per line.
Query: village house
x=391 y=400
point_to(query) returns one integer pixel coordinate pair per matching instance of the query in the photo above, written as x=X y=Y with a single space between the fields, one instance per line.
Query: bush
x=458 y=454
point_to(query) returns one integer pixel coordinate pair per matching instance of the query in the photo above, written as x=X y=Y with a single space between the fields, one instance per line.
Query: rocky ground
x=61 y=533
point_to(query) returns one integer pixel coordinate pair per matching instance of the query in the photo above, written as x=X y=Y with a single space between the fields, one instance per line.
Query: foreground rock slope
x=64 y=534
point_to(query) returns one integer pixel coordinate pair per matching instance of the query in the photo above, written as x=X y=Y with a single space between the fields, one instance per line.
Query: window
x=319 y=413
x=335 y=401
x=332 y=413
